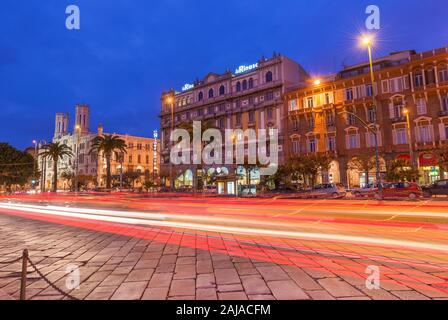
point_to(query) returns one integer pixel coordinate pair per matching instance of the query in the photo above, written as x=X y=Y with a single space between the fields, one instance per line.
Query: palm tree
x=108 y=145
x=56 y=151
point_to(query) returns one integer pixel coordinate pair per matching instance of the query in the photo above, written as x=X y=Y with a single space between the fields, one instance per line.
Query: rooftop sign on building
x=244 y=69
x=187 y=87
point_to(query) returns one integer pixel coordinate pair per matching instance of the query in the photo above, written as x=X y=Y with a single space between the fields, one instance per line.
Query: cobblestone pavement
x=175 y=265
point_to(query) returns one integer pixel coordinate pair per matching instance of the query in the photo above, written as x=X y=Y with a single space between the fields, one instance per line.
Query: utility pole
x=411 y=151
x=368 y=42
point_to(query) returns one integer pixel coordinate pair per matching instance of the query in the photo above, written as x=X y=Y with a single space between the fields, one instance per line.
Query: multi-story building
x=249 y=98
x=142 y=155
x=406 y=81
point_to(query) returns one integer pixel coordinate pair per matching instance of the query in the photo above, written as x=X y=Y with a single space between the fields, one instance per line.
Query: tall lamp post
x=411 y=151
x=367 y=41
x=171 y=104
x=78 y=134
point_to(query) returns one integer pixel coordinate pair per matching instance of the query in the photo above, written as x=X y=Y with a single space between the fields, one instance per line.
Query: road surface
x=185 y=247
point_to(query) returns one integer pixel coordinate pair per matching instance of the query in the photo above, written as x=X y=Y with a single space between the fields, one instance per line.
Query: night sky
x=128 y=51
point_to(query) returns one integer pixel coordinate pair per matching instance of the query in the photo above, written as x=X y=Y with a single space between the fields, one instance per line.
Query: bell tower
x=82 y=118
x=61 y=124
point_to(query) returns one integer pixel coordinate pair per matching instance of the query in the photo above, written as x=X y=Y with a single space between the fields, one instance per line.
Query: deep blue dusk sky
x=128 y=52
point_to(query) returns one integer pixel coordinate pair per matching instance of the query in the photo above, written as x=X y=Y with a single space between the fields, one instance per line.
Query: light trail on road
x=220 y=225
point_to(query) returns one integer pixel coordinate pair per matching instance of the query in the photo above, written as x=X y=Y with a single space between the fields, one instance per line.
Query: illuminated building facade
x=416 y=82
x=140 y=162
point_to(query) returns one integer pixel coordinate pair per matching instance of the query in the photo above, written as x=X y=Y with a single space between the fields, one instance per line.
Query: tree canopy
x=16 y=167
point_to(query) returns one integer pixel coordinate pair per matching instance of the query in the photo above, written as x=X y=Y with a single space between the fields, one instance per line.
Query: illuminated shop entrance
x=429 y=168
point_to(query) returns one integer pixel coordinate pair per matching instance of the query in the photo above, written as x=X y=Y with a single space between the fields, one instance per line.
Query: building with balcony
x=416 y=82
x=251 y=97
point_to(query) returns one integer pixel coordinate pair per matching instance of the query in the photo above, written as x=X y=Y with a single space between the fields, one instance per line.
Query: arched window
x=251 y=83
x=268 y=76
x=210 y=93
x=200 y=96
x=222 y=90
x=238 y=86
x=245 y=85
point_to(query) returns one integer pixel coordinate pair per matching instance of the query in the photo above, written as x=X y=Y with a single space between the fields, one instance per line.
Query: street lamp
x=170 y=102
x=78 y=134
x=411 y=151
x=121 y=158
x=368 y=41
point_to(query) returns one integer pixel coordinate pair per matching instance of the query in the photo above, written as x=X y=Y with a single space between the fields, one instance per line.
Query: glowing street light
x=78 y=135
x=367 y=41
x=170 y=102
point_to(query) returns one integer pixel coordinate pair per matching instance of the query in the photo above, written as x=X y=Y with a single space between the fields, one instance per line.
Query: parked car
x=326 y=190
x=440 y=188
x=410 y=190
x=365 y=191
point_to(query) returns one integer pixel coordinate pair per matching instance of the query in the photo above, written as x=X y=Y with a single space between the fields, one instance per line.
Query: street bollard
x=24 y=274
